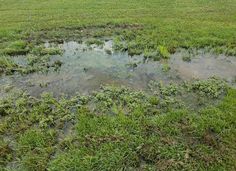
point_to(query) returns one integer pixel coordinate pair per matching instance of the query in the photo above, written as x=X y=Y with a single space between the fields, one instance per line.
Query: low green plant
x=119 y=45
x=152 y=55
x=212 y=87
x=169 y=90
x=33 y=139
x=41 y=51
x=6 y=153
x=164 y=52
x=94 y=41
x=165 y=67
x=7 y=65
x=16 y=48
x=34 y=148
x=187 y=58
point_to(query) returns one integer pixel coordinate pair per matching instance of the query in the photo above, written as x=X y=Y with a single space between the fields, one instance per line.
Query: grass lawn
x=181 y=23
x=117 y=128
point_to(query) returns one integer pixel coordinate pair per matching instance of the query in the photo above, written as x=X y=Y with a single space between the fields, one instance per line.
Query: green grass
x=16 y=48
x=94 y=42
x=144 y=24
x=33 y=63
x=124 y=130
x=7 y=65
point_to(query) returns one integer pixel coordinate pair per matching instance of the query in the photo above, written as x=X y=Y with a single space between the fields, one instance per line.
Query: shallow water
x=205 y=65
x=85 y=69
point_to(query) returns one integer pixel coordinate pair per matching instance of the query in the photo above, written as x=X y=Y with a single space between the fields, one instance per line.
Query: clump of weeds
x=42 y=63
x=6 y=153
x=165 y=67
x=7 y=65
x=33 y=63
x=41 y=51
x=228 y=51
x=119 y=45
x=164 y=52
x=152 y=55
x=94 y=41
x=187 y=57
x=212 y=87
x=190 y=53
x=16 y=48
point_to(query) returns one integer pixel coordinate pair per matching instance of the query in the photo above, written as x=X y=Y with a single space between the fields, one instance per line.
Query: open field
x=181 y=23
x=117 y=85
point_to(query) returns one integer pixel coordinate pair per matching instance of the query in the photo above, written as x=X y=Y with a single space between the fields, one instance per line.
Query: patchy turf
x=117 y=128
x=143 y=24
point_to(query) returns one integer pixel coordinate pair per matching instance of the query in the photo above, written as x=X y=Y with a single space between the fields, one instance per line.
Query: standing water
x=85 y=69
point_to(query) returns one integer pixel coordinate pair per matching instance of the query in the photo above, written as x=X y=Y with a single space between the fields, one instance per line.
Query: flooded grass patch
x=120 y=127
x=203 y=65
x=7 y=65
x=84 y=68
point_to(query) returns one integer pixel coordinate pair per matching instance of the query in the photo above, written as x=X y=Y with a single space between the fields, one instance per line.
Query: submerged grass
x=33 y=63
x=121 y=129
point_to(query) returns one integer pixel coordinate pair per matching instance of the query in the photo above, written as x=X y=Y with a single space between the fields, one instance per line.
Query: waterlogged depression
x=205 y=65
x=85 y=69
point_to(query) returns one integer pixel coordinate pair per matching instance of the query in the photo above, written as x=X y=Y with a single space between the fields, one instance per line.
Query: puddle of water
x=205 y=65
x=86 y=69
